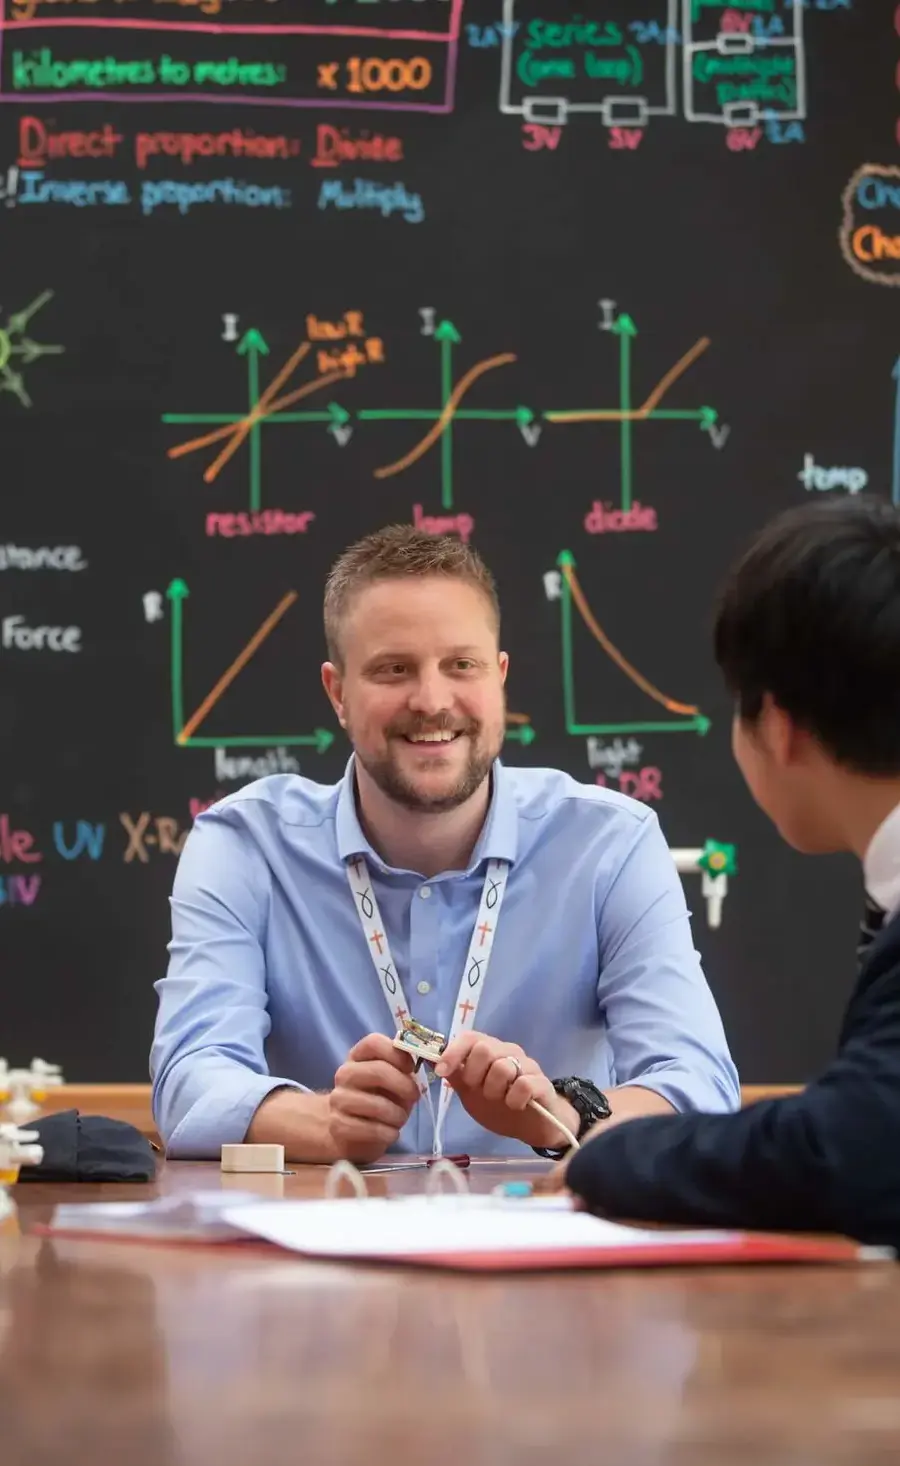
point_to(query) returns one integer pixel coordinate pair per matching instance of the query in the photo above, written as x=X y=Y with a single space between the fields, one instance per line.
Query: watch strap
x=589 y=1101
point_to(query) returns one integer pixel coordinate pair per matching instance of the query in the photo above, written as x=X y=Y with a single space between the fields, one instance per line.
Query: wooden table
x=124 y=1354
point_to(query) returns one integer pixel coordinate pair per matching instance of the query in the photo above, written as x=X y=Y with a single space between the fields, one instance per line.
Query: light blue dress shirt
x=270 y=982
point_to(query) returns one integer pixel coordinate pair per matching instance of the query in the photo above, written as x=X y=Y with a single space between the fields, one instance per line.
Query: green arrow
x=251 y=345
x=521 y=415
x=523 y=735
x=448 y=336
x=339 y=415
x=252 y=341
x=627 y=332
x=294 y=417
x=202 y=417
x=320 y=739
x=564 y=558
x=708 y=416
x=698 y=724
x=666 y=414
x=176 y=592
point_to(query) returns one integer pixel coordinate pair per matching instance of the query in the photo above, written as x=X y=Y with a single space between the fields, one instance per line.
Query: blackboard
x=599 y=287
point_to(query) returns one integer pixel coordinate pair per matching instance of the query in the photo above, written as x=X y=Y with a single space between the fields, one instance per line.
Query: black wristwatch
x=591 y=1104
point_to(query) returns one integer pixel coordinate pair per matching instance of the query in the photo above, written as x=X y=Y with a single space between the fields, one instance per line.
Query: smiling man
x=537 y=922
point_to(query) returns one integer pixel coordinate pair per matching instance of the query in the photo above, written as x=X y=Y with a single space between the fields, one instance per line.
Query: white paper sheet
x=419 y=1226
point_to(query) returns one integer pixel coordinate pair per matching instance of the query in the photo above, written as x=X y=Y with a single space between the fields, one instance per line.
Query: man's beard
x=390 y=779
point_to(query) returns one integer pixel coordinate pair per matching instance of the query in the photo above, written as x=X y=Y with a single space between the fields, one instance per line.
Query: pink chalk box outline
x=449 y=38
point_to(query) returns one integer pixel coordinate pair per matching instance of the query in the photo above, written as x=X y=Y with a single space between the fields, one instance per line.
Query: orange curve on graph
x=613 y=651
x=260 y=409
x=240 y=661
x=637 y=414
x=518 y=718
x=279 y=405
x=446 y=417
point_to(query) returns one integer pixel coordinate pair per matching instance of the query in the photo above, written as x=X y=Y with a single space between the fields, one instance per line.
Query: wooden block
x=252 y=1157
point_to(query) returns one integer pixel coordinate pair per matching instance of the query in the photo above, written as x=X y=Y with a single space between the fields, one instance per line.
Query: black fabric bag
x=89 y=1148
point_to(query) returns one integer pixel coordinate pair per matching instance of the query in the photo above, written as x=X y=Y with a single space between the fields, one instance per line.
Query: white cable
x=570 y=1138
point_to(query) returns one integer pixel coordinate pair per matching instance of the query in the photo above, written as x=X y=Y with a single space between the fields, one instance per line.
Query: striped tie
x=869 y=927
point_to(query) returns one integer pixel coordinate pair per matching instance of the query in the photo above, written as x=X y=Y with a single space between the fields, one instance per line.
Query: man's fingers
x=502 y=1075
x=362 y=1140
x=379 y=1046
x=380 y=1076
x=526 y=1088
x=457 y=1052
x=477 y=1057
x=362 y=1104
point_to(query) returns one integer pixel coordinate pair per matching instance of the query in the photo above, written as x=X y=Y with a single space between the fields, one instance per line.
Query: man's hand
x=495 y=1082
x=373 y=1097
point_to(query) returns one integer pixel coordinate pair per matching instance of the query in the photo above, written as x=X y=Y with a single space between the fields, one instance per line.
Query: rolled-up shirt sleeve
x=207 y=1061
x=664 y=1027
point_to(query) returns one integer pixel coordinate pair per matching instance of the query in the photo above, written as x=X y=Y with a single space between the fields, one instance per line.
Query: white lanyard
x=472 y=981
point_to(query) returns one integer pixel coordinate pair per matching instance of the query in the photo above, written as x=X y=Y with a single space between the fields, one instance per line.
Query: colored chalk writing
x=815 y=476
x=247 y=58
x=36 y=190
x=15 y=844
x=643 y=784
x=741 y=64
x=265 y=522
x=366 y=194
x=870 y=223
x=336 y=145
x=458 y=524
x=613 y=757
x=160 y=833
x=604 y=519
x=230 y=768
x=17 y=636
x=43 y=557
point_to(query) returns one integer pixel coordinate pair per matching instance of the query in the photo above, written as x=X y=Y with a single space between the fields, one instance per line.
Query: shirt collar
x=499 y=834
x=881 y=864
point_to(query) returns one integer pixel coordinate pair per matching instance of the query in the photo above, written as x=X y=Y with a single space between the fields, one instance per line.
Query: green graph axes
x=447 y=336
x=696 y=724
x=320 y=739
x=253 y=346
x=626 y=415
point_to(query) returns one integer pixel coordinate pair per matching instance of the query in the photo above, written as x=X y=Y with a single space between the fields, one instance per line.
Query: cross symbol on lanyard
x=400 y=1014
x=484 y=929
x=377 y=938
x=466 y=1008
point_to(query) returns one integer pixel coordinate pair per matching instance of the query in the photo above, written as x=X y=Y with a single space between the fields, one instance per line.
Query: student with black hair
x=807 y=637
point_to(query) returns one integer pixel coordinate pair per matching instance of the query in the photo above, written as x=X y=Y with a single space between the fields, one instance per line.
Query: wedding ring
x=513 y=1060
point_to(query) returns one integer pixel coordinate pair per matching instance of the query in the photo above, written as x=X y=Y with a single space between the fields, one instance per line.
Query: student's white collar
x=881 y=864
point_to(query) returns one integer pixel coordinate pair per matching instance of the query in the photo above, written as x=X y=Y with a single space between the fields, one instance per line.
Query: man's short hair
x=810 y=614
x=393 y=553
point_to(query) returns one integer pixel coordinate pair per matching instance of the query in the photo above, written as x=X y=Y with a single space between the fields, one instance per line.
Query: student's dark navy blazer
x=825 y=1159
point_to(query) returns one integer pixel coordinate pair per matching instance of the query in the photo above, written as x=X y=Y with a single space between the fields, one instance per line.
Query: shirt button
x=423 y=987
x=424 y=892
